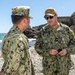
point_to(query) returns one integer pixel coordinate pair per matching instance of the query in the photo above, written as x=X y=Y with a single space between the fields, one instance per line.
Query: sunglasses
x=48 y=17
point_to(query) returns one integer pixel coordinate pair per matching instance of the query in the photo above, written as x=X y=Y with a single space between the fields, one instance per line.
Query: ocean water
x=31 y=40
x=1 y=38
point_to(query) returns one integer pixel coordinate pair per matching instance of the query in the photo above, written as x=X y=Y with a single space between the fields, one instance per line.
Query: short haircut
x=16 y=18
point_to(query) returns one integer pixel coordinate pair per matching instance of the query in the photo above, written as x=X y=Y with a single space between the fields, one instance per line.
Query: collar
x=15 y=29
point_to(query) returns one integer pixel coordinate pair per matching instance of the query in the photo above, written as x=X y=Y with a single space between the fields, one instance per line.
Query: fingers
x=53 y=52
x=63 y=52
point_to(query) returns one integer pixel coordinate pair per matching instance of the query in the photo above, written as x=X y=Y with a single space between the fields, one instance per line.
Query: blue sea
x=31 y=40
x=1 y=38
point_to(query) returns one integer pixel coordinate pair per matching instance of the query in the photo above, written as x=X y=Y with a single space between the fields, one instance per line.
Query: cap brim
x=50 y=14
x=30 y=16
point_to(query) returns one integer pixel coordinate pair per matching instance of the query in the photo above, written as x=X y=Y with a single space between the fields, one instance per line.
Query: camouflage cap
x=22 y=11
x=50 y=11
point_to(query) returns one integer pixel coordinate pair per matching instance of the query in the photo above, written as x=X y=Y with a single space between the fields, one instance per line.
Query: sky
x=37 y=10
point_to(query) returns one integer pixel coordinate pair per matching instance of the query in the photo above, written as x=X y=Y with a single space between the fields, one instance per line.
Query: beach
x=37 y=62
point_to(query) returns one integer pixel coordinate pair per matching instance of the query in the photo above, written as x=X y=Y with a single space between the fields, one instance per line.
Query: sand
x=37 y=62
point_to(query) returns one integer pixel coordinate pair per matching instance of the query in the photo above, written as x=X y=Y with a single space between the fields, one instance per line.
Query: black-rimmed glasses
x=48 y=17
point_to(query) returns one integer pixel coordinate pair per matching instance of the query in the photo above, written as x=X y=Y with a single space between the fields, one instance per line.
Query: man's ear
x=57 y=15
x=24 y=20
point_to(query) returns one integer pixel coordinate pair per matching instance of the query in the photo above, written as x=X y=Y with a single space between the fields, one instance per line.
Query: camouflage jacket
x=15 y=53
x=62 y=37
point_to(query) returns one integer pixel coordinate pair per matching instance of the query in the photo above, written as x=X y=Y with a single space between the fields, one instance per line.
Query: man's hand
x=63 y=52
x=53 y=52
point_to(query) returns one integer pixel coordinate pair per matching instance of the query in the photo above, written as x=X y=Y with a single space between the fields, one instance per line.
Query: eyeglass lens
x=48 y=17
